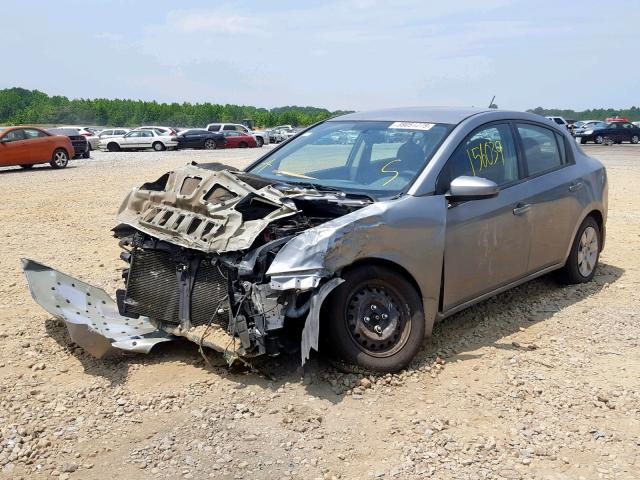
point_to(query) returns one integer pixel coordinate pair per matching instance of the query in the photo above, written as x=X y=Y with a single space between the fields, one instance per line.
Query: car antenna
x=491 y=102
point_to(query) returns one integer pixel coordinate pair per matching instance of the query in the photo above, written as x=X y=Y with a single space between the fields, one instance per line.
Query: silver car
x=356 y=247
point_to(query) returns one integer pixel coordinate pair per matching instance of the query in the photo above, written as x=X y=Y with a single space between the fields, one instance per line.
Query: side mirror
x=466 y=188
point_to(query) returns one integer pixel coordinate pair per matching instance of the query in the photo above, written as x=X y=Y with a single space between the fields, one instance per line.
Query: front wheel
x=113 y=147
x=582 y=141
x=584 y=254
x=210 y=144
x=60 y=159
x=635 y=139
x=599 y=139
x=159 y=146
x=259 y=141
x=375 y=319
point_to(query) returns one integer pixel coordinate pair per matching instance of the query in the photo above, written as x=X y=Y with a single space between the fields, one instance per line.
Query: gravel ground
x=540 y=382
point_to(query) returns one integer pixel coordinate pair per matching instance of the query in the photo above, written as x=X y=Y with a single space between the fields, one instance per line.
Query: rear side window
x=32 y=133
x=107 y=132
x=15 y=135
x=541 y=148
x=229 y=127
x=489 y=152
x=214 y=128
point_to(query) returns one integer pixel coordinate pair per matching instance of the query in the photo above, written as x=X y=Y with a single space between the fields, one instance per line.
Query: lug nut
x=378 y=329
x=373 y=307
x=366 y=319
x=385 y=316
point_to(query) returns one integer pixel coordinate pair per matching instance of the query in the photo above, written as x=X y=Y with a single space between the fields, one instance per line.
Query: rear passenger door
x=39 y=144
x=553 y=193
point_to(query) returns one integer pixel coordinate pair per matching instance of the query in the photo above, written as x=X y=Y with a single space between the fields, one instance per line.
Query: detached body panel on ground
x=369 y=227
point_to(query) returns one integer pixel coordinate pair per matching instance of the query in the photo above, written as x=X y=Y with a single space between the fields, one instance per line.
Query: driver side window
x=489 y=152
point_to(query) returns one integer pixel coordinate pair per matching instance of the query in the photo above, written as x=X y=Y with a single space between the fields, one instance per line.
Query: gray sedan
x=355 y=237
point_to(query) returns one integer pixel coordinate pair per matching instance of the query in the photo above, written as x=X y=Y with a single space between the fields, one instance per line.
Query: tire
x=210 y=144
x=599 y=139
x=242 y=145
x=374 y=319
x=87 y=153
x=583 y=258
x=259 y=141
x=59 y=159
x=582 y=141
x=113 y=147
x=27 y=167
x=158 y=146
x=635 y=139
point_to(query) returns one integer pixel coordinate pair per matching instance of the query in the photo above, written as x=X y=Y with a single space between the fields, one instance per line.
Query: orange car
x=28 y=146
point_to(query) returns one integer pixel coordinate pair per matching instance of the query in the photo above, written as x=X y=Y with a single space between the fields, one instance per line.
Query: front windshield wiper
x=324 y=188
x=293 y=174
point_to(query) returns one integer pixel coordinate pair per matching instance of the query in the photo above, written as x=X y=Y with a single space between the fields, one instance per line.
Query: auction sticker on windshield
x=412 y=125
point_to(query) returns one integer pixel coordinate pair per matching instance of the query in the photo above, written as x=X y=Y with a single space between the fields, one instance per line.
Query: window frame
x=519 y=156
x=569 y=159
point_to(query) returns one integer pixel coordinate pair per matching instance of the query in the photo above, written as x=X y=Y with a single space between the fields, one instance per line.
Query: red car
x=28 y=146
x=617 y=119
x=236 y=139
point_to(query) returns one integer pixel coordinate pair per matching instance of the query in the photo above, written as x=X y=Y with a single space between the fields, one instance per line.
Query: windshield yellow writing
x=394 y=172
x=485 y=155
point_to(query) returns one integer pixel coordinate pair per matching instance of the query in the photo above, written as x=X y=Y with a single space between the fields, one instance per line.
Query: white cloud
x=220 y=20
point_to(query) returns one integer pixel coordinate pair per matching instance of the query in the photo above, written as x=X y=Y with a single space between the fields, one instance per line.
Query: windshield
x=376 y=158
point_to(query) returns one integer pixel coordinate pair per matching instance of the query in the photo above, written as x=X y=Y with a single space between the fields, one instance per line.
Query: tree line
x=633 y=113
x=21 y=106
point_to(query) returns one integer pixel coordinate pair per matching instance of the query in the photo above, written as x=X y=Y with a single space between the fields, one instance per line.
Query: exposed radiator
x=153 y=290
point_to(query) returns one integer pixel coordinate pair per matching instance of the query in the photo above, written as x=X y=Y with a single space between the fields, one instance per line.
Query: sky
x=337 y=54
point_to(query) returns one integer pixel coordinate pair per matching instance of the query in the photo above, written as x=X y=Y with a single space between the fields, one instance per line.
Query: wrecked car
x=355 y=246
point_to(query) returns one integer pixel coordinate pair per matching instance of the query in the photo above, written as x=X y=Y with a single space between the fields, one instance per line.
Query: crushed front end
x=198 y=245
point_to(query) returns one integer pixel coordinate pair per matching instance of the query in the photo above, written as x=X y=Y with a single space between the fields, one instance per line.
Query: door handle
x=574 y=187
x=521 y=208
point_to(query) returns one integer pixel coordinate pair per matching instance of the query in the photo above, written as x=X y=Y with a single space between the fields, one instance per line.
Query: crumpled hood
x=211 y=211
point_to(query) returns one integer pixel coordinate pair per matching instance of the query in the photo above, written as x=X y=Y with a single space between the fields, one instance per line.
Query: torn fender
x=90 y=314
x=408 y=232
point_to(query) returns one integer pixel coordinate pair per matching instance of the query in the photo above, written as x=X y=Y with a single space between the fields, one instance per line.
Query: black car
x=79 y=141
x=617 y=132
x=198 y=138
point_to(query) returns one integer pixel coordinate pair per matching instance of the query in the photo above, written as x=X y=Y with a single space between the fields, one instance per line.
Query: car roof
x=452 y=115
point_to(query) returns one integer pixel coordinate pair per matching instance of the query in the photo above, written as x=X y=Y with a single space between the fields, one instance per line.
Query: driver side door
x=486 y=241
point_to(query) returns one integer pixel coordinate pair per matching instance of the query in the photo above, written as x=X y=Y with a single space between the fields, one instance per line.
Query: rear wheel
x=259 y=141
x=375 y=319
x=582 y=140
x=60 y=159
x=242 y=145
x=599 y=139
x=584 y=254
x=635 y=139
x=210 y=144
x=113 y=147
x=159 y=146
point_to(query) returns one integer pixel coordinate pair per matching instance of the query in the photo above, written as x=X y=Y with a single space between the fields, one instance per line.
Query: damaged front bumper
x=95 y=323
x=91 y=316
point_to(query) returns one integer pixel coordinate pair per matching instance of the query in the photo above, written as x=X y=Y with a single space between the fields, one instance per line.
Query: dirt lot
x=540 y=382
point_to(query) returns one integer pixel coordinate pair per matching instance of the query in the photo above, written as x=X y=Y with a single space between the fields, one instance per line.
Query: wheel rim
x=588 y=251
x=157 y=147
x=377 y=319
x=209 y=144
x=60 y=159
x=635 y=139
x=599 y=139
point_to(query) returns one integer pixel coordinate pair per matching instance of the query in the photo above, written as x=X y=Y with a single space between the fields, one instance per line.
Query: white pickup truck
x=261 y=137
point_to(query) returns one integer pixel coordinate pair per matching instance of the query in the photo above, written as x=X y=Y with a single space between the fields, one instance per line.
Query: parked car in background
x=237 y=139
x=168 y=131
x=113 y=132
x=261 y=138
x=29 y=146
x=89 y=133
x=637 y=124
x=140 y=140
x=80 y=143
x=617 y=132
x=199 y=138
x=588 y=125
x=617 y=118
x=560 y=121
x=275 y=136
x=289 y=132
